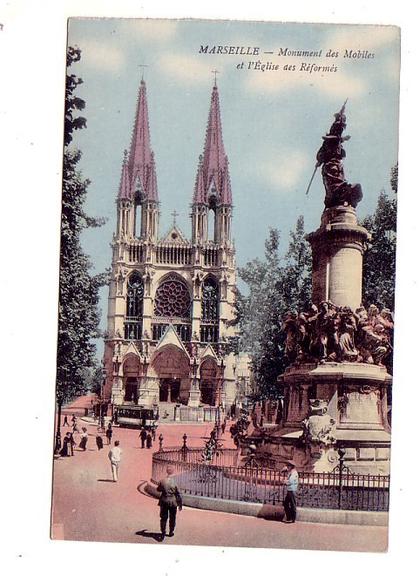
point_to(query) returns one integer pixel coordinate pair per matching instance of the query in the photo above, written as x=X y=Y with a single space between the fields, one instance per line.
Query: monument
x=335 y=388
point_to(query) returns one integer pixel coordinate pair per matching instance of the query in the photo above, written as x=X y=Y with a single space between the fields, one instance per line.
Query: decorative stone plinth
x=194 y=395
x=337 y=254
x=356 y=400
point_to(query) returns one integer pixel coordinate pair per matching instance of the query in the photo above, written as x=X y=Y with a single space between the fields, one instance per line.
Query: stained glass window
x=209 y=331
x=210 y=301
x=172 y=299
x=135 y=291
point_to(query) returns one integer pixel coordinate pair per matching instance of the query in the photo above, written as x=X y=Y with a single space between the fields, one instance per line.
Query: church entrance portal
x=169 y=390
x=172 y=368
x=131 y=387
x=208 y=382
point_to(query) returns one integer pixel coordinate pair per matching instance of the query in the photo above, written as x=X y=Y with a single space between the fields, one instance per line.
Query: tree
x=78 y=313
x=379 y=259
x=276 y=285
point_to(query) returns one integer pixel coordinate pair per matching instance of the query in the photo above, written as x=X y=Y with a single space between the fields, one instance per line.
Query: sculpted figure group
x=337 y=334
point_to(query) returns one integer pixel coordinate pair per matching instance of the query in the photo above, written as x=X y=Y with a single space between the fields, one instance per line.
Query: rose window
x=172 y=299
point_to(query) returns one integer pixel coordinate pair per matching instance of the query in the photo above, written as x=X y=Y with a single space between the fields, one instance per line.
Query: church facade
x=171 y=299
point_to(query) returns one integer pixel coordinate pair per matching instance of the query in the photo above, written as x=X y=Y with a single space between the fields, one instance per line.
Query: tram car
x=136 y=416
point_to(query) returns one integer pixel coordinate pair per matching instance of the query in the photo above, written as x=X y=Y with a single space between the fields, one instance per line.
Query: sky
x=273 y=120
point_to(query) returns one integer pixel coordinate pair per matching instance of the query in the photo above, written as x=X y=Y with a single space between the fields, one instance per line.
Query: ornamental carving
x=172 y=299
x=319 y=427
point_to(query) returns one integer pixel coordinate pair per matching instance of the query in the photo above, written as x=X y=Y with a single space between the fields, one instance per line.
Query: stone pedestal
x=356 y=396
x=337 y=255
x=194 y=394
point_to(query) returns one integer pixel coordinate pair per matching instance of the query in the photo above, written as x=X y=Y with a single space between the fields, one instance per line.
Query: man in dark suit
x=170 y=500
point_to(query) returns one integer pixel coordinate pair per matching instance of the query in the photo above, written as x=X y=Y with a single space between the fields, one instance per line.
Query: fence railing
x=223 y=479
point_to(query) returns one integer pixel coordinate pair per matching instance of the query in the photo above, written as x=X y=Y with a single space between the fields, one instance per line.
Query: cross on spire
x=143 y=66
x=215 y=72
x=174 y=214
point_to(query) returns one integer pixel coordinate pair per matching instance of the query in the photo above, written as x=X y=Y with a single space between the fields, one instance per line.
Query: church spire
x=213 y=175
x=124 y=191
x=141 y=165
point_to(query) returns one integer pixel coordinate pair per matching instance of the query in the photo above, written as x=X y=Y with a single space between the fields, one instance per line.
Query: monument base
x=354 y=418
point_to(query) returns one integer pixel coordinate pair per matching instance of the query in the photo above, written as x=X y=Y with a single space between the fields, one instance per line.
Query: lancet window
x=134 y=307
x=210 y=311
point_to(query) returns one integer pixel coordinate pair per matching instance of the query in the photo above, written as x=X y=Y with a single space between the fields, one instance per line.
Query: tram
x=136 y=416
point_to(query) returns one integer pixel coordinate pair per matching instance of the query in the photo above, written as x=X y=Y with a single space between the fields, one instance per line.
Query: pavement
x=88 y=506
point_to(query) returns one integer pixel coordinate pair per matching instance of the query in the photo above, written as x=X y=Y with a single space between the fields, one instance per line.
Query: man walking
x=114 y=456
x=170 y=500
x=291 y=486
x=143 y=436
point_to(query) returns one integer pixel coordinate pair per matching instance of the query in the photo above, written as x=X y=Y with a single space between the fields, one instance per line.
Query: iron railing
x=223 y=479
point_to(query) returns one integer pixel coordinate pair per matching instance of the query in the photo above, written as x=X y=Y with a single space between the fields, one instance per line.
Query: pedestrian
x=154 y=432
x=99 y=442
x=75 y=427
x=223 y=426
x=72 y=443
x=149 y=441
x=66 y=449
x=114 y=456
x=66 y=422
x=143 y=436
x=291 y=487
x=73 y=419
x=169 y=501
x=109 y=433
x=83 y=439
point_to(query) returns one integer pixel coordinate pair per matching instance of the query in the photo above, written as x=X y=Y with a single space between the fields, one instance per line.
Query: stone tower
x=170 y=298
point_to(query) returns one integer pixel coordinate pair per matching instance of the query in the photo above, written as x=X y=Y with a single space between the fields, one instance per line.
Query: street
x=88 y=506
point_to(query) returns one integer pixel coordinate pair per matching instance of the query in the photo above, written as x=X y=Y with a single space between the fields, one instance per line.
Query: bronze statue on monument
x=330 y=156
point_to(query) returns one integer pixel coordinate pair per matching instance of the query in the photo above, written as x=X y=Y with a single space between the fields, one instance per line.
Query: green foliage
x=379 y=259
x=78 y=314
x=276 y=285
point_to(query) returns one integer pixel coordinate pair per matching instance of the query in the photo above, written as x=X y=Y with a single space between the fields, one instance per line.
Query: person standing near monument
x=292 y=487
x=170 y=501
x=114 y=456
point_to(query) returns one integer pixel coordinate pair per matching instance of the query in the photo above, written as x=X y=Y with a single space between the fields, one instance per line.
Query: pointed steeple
x=124 y=191
x=213 y=173
x=141 y=164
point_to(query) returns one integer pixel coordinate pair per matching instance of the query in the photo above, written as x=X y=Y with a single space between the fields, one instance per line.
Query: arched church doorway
x=172 y=368
x=131 y=374
x=169 y=389
x=208 y=382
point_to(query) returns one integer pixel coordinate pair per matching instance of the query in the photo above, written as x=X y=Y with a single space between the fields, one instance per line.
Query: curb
x=276 y=512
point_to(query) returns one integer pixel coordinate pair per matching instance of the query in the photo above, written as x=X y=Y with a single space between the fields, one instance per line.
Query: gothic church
x=170 y=298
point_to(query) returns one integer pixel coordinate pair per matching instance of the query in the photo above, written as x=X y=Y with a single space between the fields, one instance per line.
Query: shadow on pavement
x=105 y=480
x=155 y=535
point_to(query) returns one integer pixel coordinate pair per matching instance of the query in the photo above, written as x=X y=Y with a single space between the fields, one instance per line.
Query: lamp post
x=57 y=447
x=101 y=399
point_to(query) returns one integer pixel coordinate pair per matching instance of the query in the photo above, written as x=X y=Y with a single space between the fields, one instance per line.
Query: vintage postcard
x=227 y=279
